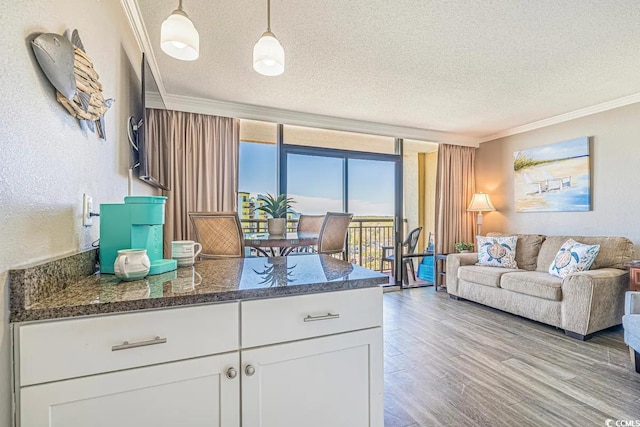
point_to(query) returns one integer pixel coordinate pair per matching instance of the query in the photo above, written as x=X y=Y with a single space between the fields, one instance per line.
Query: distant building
x=246 y=206
x=258 y=213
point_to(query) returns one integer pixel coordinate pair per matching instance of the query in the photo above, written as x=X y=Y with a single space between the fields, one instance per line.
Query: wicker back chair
x=219 y=233
x=333 y=234
x=310 y=223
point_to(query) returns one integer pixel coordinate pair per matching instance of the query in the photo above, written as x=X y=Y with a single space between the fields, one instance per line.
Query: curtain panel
x=204 y=167
x=455 y=185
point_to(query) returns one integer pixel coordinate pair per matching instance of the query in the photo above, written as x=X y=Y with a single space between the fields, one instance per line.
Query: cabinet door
x=193 y=392
x=329 y=381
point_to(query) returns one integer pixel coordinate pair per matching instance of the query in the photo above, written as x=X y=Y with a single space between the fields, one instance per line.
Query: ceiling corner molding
x=277 y=115
x=583 y=112
x=132 y=11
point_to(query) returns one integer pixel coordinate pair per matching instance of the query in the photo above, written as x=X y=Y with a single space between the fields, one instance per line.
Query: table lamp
x=480 y=203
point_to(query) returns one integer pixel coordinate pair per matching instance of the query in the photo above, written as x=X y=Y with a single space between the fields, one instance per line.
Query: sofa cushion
x=497 y=251
x=527 y=249
x=534 y=283
x=487 y=276
x=614 y=251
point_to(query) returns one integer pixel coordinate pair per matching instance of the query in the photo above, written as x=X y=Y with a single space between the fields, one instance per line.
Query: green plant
x=464 y=246
x=277 y=207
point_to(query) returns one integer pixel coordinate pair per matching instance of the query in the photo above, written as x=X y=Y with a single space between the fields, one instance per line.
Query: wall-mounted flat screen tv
x=152 y=142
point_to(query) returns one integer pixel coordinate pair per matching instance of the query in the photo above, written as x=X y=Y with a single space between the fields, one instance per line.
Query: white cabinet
x=308 y=360
x=195 y=393
x=329 y=381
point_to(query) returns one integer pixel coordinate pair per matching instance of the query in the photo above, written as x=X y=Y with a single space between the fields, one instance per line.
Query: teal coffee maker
x=136 y=224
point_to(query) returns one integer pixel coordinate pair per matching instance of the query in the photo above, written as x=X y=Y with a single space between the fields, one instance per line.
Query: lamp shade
x=179 y=37
x=480 y=202
x=268 y=55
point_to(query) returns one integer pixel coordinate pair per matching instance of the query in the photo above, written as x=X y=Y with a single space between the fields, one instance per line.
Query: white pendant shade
x=268 y=55
x=179 y=37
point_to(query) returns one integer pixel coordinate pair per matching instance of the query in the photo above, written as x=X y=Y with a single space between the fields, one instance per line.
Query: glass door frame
x=285 y=149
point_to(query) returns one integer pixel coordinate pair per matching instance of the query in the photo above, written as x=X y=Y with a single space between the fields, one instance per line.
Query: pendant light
x=268 y=54
x=179 y=37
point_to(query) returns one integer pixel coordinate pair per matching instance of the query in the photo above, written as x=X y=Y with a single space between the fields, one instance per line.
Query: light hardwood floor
x=457 y=363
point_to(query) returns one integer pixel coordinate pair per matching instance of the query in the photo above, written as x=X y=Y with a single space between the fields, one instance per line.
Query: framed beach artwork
x=553 y=178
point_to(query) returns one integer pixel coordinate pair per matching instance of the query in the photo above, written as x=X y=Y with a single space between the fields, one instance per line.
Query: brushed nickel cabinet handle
x=127 y=345
x=327 y=316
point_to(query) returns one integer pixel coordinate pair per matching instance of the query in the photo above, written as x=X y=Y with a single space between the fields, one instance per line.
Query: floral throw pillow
x=573 y=256
x=497 y=251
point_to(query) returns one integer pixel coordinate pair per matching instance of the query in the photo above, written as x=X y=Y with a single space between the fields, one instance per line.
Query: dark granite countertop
x=207 y=282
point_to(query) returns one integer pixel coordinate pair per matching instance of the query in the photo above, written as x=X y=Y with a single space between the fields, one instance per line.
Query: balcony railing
x=365 y=239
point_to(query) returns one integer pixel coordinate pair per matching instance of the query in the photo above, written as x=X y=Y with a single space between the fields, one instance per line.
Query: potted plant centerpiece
x=464 y=247
x=277 y=208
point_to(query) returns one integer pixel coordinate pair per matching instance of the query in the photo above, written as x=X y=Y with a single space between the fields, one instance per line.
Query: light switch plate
x=87 y=205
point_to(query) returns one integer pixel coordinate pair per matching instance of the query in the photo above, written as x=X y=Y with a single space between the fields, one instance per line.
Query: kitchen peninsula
x=284 y=341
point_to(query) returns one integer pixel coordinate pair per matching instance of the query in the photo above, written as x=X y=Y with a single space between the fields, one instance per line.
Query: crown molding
x=257 y=112
x=583 y=112
x=134 y=16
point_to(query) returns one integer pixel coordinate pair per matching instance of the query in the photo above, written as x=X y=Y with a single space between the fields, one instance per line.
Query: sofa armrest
x=632 y=303
x=593 y=300
x=455 y=261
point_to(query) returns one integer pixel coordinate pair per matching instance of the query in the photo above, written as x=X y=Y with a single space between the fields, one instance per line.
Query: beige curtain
x=455 y=185
x=204 y=166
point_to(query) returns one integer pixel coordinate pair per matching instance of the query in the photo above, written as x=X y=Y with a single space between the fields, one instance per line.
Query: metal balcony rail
x=364 y=241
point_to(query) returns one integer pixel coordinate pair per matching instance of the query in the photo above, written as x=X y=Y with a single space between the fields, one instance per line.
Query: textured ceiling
x=464 y=66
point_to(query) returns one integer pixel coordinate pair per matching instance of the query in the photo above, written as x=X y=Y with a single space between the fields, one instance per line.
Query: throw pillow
x=573 y=256
x=497 y=251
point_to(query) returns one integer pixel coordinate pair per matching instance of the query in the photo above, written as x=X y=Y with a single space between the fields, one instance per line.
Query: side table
x=440 y=271
x=634 y=277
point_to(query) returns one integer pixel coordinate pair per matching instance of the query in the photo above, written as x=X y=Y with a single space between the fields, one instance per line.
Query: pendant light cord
x=180 y=5
x=268 y=15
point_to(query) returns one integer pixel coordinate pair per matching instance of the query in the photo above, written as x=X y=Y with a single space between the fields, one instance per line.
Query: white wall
x=615 y=164
x=46 y=161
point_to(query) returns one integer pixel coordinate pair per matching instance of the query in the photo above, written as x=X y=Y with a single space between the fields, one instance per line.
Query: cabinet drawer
x=77 y=347
x=277 y=320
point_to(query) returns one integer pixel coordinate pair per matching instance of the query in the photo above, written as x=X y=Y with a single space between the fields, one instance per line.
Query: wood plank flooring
x=457 y=363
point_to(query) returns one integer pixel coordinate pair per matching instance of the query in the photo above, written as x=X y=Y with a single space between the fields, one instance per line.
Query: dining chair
x=219 y=233
x=409 y=245
x=333 y=233
x=309 y=224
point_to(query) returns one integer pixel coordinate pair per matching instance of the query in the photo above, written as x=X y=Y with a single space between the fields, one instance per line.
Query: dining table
x=279 y=244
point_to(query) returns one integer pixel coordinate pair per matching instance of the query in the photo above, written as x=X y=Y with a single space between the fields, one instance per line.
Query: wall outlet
x=87 y=206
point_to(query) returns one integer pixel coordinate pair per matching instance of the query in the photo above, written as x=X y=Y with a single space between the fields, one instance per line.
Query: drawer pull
x=127 y=345
x=327 y=316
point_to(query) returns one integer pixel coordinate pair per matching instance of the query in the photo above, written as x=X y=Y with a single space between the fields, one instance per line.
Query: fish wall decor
x=70 y=70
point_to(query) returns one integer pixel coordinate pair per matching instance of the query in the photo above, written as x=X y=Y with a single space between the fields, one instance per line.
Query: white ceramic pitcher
x=132 y=264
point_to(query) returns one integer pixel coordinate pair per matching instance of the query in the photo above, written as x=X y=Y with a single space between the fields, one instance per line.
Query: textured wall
x=615 y=162
x=46 y=161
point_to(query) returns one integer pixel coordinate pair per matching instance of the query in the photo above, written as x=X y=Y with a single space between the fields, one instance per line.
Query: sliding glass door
x=316 y=183
x=366 y=184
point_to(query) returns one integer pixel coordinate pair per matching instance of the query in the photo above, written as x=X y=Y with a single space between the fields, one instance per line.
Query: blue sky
x=561 y=150
x=316 y=182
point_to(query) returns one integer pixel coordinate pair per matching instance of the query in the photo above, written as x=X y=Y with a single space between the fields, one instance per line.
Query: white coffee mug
x=184 y=251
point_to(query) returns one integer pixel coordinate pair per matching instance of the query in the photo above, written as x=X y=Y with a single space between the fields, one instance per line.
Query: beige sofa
x=581 y=304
